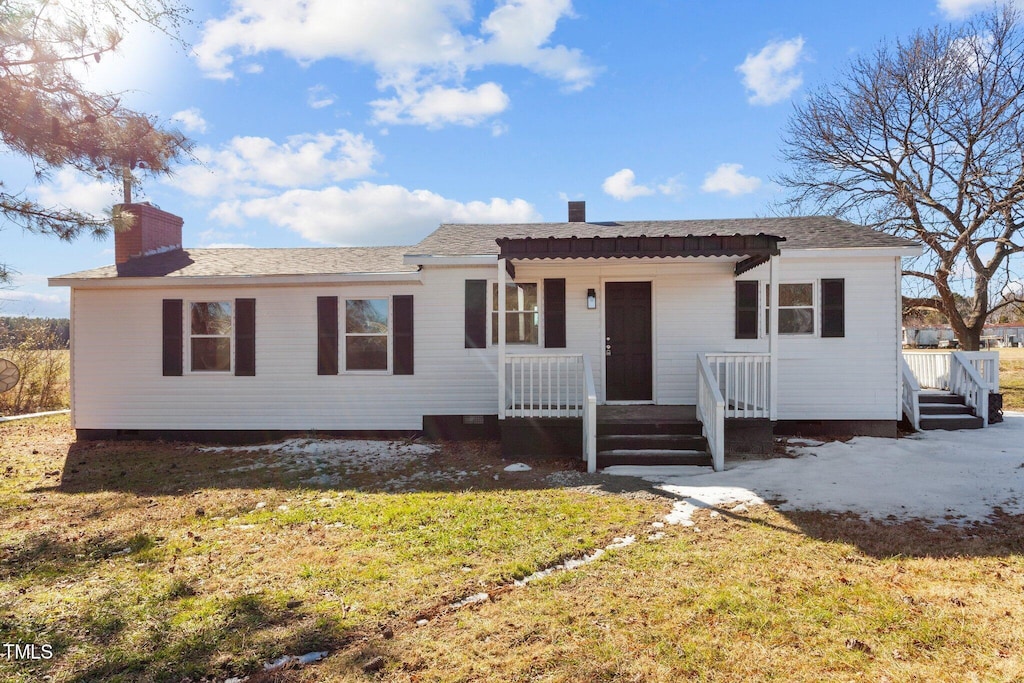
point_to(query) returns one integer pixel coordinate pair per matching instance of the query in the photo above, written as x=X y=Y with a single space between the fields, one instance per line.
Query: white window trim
x=187 y=322
x=540 y=315
x=815 y=284
x=344 y=334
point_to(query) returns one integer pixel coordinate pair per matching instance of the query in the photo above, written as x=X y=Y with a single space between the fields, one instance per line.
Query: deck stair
x=945 y=410
x=650 y=435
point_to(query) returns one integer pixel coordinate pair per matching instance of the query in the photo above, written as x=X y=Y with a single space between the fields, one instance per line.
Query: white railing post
x=589 y=418
x=773 y=337
x=502 y=398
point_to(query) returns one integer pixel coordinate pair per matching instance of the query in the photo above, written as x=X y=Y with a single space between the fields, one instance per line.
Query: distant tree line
x=39 y=333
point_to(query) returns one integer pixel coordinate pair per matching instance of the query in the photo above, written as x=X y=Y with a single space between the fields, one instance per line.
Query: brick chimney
x=577 y=212
x=150 y=231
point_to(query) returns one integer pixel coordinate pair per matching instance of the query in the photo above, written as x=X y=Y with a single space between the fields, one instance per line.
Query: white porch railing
x=911 y=395
x=932 y=368
x=554 y=385
x=590 y=418
x=965 y=380
x=711 y=412
x=545 y=385
x=744 y=380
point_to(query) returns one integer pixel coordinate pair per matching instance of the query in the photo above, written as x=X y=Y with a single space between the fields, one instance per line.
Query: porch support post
x=501 y=338
x=773 y=338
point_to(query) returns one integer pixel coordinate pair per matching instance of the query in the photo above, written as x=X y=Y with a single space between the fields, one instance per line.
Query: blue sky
x=328 y=122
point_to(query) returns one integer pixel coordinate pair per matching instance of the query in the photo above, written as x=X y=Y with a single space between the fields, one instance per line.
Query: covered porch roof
x=751 y=249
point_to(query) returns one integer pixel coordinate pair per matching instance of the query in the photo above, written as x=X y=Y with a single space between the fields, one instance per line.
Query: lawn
x=1011 y=378
x=141 y=562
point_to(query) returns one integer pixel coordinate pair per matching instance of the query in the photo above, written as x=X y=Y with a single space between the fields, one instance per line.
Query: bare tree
x=48 y=115
x=925 y=139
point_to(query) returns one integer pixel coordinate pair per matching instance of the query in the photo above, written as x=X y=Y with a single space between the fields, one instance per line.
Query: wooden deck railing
x=711 y=412
x=911 y=395
x=554 y=385
x=744 y=382
x=965 y=380
x=932 y=369
x=545 y=385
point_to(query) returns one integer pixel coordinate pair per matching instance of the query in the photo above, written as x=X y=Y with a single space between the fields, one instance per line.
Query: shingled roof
x=257 y=262
x=806 y=232
x=803 y=232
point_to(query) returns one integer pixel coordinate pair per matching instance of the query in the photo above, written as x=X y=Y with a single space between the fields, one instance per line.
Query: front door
x=627 y=360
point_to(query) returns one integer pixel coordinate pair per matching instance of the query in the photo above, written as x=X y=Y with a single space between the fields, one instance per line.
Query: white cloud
x=622 y=186
x=228 y=245
x=191 y=120
x=370 y=213
x=770 y=74
x=961 y=9
x=73 y=190
x=438 y=106
x=727 y=178
x=253 y=165
x=32 y=297
x=319 y=97
x=420 y=49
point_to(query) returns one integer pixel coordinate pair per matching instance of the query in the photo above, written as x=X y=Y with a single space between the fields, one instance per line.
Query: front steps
x=944 y=410
x=650 y=435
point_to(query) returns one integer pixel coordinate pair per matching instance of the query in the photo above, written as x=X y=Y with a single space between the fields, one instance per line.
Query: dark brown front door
x=628 y=369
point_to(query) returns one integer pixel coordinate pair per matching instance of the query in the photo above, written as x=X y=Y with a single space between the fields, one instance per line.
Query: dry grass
x=1011 y=378
x=212 y=584
x=143 y=561
x=44 y=383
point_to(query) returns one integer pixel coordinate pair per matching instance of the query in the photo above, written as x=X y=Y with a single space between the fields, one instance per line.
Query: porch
x=950 y=390
x=549 y=401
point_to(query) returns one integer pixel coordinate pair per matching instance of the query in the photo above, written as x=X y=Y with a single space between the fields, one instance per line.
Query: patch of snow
x=575 y=562
x=285 y=660
x=422 y=622
x=931 y=476
x=518 y=467
x=363 y=455
x=471 y=600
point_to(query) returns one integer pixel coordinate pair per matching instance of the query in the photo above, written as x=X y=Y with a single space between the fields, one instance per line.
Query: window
x=796 y=308
x=522 y=314
x=210 y=336
x=366 y=334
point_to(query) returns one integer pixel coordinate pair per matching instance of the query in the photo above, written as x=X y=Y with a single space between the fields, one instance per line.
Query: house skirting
x=234 y=437
x=884 y=428
x=543 y=437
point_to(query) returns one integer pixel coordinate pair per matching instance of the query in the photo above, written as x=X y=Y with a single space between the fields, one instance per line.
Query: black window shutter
x=833 y=308
x=554 y=313
x=402 y=347
x=746 y=309
x=245 y=337
x=476 y=314
x=327 y=335
x=174 y=349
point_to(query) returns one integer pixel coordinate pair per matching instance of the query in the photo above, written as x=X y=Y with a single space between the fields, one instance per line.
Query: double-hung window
x=367 y=334
x=522 y=313
x=796 y=308
x=210 y=324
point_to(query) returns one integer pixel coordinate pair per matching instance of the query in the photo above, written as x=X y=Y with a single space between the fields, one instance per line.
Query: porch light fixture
x=591 y=298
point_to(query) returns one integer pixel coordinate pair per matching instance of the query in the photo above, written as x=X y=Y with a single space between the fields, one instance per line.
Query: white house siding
x=118 y=349
x=850 y=378
x=118 y=363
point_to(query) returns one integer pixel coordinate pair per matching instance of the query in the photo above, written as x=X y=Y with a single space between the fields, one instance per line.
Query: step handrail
x=965 y=380
x=911 y=395
x=589 y=417
x=711 y=412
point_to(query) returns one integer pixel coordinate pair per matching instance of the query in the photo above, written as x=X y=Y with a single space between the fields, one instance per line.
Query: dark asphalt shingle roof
x=803 y=232
x=255 y=262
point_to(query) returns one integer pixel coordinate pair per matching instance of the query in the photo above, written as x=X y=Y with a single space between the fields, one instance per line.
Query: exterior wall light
x=591 y=298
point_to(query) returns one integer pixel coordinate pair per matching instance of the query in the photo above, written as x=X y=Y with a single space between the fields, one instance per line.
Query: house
x=602 y=322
